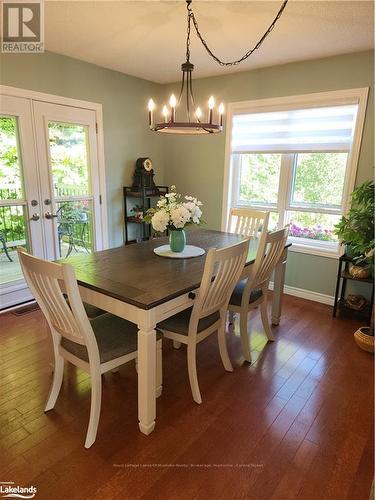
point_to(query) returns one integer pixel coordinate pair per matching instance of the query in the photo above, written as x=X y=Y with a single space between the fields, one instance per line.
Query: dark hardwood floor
x=297 y=423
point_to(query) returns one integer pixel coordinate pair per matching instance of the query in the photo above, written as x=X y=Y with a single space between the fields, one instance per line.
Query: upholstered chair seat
x=115 y=337
x=236 y=297
x=179 y=323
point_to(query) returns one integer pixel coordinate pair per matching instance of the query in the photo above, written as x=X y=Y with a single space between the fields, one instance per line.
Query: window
x=296 y=160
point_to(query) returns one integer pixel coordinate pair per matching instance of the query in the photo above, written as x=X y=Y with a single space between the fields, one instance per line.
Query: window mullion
x=286 y=176
x=236 y=160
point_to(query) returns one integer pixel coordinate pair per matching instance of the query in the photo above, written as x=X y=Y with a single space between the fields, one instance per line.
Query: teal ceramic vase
x=177 y=240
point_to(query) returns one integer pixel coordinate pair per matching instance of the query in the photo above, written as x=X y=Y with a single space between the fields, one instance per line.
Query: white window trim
x=347 y=96
x=94 y=106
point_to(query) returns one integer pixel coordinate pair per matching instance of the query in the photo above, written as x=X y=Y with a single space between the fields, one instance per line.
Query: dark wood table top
x=134 y=274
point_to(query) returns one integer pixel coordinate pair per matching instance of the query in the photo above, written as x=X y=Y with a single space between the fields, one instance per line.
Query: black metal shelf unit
x=340 y=304
x=143 y=198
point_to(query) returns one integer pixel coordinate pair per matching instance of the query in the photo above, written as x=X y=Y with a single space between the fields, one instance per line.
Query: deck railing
x=14 y=227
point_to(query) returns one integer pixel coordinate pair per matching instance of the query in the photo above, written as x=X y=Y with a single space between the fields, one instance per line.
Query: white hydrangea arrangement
x=174 y=212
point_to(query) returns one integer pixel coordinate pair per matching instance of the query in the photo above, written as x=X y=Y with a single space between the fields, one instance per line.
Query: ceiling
x=147 y=38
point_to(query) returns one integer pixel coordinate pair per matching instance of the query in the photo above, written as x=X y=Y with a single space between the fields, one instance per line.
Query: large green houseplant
x=356 y=228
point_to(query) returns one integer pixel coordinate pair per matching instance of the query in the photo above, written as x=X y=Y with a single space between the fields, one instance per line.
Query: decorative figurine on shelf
x=138 y=219
x=137 y=214
x=144 y=175
x=355 y=302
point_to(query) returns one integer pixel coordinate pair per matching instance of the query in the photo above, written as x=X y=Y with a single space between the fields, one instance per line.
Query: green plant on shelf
x=356 y=228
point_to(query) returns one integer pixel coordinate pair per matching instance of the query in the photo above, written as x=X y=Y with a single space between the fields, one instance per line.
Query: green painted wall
x=196 y=164
x=124 y=99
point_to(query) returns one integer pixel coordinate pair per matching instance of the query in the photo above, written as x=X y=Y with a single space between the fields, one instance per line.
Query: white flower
x=180 y=216
x=162 y=202
x=160 y=220
x=194 y=200
x=171 y=211
x=195 y=211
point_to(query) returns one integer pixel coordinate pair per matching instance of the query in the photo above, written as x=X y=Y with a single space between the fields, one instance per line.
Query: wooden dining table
x=134 y=283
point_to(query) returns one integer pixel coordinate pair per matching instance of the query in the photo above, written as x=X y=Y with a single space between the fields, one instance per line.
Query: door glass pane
x=74 y=227
x=319 y=179
x=259 y=179
x=13 y=233
x=69 y=159
x=10 y=161
x=13 y=218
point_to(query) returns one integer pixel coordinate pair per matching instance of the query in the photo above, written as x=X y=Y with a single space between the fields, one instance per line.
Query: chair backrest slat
x=48 y=282
x=269 y=253
x=222 y=270
x=249 y=223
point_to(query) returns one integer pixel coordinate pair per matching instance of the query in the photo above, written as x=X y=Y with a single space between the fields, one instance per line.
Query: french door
x=49 y=186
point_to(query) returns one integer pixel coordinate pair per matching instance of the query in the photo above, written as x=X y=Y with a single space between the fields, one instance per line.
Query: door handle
x=48 y=215
x=35 y=217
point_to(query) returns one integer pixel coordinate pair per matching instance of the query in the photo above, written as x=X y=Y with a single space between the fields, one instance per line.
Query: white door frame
x=93 y=106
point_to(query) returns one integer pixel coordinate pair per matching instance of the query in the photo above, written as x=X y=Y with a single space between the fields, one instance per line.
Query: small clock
x=144 y=174
x=147 y=164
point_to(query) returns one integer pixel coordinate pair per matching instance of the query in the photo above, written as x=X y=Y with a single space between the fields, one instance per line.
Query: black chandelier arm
x=191 y=17
x=187 y=97
x=181 y=89
x=190 y=88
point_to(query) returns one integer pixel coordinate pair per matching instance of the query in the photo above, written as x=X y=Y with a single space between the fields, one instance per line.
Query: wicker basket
x=359 y=272
x=364 y=341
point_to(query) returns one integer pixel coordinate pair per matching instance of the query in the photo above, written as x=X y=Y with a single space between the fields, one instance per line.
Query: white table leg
x=146 y=379
x=278 y=288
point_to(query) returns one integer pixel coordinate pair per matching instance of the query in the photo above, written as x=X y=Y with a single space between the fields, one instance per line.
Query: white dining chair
x=252 y=292
x=96 y=346
x=222 y=270
x=247 y=222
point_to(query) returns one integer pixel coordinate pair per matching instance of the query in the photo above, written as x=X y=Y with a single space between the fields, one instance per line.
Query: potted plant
x=356 y=230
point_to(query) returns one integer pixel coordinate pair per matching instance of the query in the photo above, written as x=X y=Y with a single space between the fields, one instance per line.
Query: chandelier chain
x=188 y=32
x=191 y=17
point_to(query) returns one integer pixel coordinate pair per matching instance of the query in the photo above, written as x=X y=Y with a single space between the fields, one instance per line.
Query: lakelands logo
x=10 y=490
x=22 y=26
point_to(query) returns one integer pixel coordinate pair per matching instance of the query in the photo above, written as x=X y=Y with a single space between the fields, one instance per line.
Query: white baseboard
x=307 y=294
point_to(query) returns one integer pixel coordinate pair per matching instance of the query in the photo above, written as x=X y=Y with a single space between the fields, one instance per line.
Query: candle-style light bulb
x=165 y=114
x=172 y=103
x=221 y=112
x=151 y=107
x=211 y=104
x=198 y=113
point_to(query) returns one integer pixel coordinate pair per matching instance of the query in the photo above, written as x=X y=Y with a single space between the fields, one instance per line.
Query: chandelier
x=194 y=123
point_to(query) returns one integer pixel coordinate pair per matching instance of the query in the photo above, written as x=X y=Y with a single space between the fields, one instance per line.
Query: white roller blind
x=296 y=130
